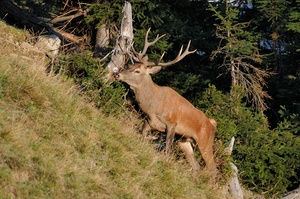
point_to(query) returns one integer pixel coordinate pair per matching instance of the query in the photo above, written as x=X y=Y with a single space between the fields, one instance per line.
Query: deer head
x=142 y=67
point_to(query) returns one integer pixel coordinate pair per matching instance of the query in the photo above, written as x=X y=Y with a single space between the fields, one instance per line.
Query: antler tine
x=134 y=54
x=161 y=57
x=148 y=44
x=179 y=57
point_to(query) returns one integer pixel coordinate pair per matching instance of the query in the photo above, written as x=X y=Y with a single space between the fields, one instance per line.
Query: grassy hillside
x=53 y=144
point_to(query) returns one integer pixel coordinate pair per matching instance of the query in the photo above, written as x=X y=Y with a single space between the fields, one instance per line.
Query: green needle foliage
x=88 y=74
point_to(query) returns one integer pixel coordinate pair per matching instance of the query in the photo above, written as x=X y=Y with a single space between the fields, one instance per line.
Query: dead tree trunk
x=102 y=41
x=123 y=42
x=234 y=186
x=102 y=36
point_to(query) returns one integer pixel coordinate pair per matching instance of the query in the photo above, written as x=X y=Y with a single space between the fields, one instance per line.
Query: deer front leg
x=145 y=129
x=153 y=123
x=170 y=138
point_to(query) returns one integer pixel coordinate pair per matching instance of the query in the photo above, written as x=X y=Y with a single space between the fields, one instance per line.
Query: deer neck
x=145 y=92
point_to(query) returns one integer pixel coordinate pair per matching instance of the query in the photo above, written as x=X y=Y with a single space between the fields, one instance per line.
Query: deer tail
x=213 y=122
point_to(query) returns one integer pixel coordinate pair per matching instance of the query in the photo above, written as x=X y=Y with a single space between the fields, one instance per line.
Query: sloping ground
x=53 y=144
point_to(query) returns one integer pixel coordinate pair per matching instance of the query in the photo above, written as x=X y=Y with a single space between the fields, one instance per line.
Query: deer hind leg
x=188 y=152
x=205 y=145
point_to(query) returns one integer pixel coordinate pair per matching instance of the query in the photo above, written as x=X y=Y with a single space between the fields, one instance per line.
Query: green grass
x=54 y=144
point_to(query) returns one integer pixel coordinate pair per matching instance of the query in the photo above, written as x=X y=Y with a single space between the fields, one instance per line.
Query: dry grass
x=53 y=144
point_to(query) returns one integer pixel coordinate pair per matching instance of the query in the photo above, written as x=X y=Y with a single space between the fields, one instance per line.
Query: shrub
x=268 y=160
x=89 y=75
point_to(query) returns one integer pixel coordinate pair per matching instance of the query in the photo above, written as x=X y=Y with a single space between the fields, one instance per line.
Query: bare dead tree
x=123 y=45
x=252 y=79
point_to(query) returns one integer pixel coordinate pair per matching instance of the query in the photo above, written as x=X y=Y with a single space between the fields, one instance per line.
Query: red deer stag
x=167 y=110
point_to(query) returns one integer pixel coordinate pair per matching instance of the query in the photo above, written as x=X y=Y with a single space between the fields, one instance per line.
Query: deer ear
x=153 y=70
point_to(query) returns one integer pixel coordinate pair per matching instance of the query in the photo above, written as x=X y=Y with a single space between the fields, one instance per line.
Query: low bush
x=89 y=75
x=268 y=159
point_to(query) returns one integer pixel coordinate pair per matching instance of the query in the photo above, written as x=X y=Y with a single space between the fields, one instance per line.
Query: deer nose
x=116 y=75
x=116 y=72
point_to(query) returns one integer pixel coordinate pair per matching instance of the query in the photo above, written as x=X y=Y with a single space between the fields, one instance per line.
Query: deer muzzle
x=116 y=75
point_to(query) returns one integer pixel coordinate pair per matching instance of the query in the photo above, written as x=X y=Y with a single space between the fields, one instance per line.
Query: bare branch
x=61 y=18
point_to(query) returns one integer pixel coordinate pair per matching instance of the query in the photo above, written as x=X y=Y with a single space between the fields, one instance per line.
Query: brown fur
x=171 y=113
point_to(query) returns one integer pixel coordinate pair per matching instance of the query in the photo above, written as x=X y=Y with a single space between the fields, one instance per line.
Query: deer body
x=167 y=110
x=165 y=107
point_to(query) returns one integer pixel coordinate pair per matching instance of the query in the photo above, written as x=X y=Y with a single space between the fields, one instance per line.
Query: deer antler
x=179 y=57
x=142 y=58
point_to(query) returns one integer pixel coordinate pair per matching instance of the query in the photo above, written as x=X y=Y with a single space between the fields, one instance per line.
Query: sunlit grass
x=54 y=144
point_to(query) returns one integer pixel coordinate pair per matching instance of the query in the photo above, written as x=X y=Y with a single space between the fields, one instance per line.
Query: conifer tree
x=293 y=23
x=294 y=18
x=239 y=51
x=273 y=15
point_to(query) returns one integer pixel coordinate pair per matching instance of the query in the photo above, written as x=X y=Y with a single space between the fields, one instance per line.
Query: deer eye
x=137 y=71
